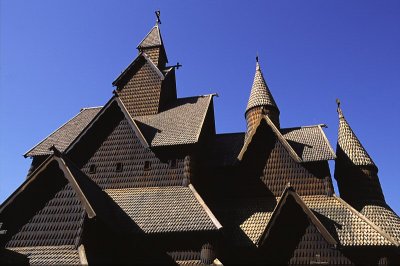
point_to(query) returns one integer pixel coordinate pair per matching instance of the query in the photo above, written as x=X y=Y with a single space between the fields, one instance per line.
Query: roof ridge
x=153 y=66
x=277 y=133
x=88 y=108
x=368 y=221
x=205 y=207
x=289 y=190
x=75 y=185
x=308 y=126
x=132 y=123
x=327 y=141
x=95 y=118
x=204 y=117
x=155 y=27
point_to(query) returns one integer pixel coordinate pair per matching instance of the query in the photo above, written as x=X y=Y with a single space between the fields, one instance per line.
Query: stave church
x=147 y=179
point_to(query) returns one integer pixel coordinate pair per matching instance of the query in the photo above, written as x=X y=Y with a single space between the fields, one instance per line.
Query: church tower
x=147 y=86
x=153 y=46
x=355 y=171
x=260 y=102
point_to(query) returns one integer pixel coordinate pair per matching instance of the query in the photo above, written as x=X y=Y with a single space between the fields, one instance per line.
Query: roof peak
x=350 y=144
x=260 y=94
x=152 y=39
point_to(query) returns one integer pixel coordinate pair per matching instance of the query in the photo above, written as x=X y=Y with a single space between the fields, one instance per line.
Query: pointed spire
x=260 y=94
x=152 y=39
x=152 y=45
x=350 y=144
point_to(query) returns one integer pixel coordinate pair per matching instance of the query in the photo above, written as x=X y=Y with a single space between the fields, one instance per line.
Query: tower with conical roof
x=260 y=102
x=355 y=171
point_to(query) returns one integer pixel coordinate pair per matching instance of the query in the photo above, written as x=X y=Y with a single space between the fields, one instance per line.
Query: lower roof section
x=247 y=219
x=50 y=255
x=165 y=209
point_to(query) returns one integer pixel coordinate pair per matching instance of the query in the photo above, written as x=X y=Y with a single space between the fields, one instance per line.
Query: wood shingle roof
x=164 y=209
x=64 y=135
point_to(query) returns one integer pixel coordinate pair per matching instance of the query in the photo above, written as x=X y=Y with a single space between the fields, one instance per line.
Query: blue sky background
x=59 y=56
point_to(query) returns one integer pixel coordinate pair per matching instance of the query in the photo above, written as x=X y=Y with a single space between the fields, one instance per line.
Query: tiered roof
x=78 y=186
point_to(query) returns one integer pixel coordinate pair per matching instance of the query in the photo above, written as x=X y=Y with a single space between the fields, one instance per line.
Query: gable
x=141 y=88
x=122 y=145
x=267 y=156
x=280 y=169
x=65 y=134
x=288 y=227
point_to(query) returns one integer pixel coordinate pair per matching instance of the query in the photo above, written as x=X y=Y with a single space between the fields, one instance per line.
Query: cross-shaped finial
x=257 y=57
x=177 y=66
x=158 y=13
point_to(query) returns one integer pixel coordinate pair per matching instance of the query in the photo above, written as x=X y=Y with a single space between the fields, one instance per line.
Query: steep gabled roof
x=246 y=219
x=51 y=255
x=260 y=94
x=165 y=209
x=152 y=39
x=289 y=192
x=266 y=121
x=350 y=144
x=141 y=55
x=309 y=142
x=180 y=124
x=64 y=135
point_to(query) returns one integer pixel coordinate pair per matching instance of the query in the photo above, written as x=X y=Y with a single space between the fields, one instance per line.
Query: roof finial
x=158 y=13
x=257 y=64
x=339 y=110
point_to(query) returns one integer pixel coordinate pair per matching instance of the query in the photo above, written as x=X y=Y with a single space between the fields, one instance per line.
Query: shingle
x=260 y=94
x=179 y=124
x=350 y=228
x=350 y=145
x=310 y=143
x=384 y=217
x=246 y=219
x=64 y=135
x=57 y=223
x=50 y=255
x=163 y=209
x=153 y=38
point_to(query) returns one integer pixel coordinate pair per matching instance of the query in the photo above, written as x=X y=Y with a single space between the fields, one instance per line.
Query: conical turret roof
x=152 y=39
x=350 y=144
x=260 y=94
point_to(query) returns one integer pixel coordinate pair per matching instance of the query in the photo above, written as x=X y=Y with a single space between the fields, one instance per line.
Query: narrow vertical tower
x=260 y=102
x=355 y=172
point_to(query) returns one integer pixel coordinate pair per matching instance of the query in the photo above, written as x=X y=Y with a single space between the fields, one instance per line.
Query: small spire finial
x=339 y=110
x=257 y=64
x=158 y=14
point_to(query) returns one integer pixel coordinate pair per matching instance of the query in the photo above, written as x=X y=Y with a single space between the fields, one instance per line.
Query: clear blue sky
x=59 y=56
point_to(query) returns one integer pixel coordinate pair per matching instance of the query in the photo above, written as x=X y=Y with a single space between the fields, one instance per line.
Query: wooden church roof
x=149 y=166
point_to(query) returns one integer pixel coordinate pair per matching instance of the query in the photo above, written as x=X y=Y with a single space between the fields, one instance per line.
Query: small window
x=147 y=165
x=119 y=167
x=92 y=169
x=173 y=163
